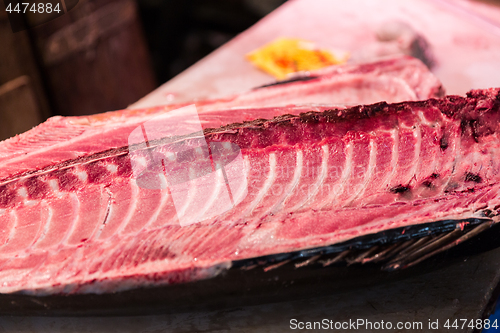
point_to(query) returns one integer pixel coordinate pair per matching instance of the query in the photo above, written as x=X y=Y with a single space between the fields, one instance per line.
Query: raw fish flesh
x=83 y=213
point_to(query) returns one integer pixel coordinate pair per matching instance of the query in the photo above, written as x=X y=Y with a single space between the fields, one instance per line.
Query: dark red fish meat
x=182 y=208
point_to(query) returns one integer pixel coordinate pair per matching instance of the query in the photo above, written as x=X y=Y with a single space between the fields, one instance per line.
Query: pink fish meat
x=300 y=181
x=117 y=201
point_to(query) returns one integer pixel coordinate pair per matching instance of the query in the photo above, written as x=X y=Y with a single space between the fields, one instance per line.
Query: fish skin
x=141 y=251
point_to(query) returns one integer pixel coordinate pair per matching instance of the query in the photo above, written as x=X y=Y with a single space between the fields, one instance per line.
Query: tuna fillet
x=173 y=209
x=393 y=79
x=62 y=138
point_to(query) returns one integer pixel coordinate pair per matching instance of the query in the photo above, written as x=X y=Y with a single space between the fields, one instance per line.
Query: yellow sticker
x=289 y=55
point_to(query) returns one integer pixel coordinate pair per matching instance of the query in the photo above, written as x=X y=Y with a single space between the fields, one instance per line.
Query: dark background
x=179 y=33
x=106 y=54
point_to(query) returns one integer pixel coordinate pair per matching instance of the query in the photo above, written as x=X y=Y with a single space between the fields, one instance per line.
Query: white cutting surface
x=464 y=36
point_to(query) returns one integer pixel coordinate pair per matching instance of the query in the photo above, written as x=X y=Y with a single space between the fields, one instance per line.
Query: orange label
x=289 y=55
